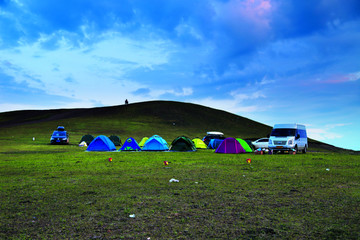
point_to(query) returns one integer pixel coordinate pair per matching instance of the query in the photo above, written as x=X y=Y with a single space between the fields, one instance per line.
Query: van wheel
x=305 y=149
x=296 y=148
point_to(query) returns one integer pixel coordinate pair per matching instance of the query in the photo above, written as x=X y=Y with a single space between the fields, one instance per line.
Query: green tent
x=143 y=141
x=244 y=144
x=182 y=144
x=199 y=144
x=87 y=138
x=116 y=140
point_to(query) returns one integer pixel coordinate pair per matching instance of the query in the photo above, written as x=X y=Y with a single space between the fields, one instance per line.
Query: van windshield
x=283 y=132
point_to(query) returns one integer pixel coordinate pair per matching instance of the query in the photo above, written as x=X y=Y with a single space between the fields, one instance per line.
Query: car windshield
x=283 y=132
x=60 y=134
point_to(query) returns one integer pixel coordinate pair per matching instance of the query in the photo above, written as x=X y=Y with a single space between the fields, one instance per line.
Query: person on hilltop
x=126 y=102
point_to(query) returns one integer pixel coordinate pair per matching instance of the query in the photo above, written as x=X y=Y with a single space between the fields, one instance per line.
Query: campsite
x=65 y=192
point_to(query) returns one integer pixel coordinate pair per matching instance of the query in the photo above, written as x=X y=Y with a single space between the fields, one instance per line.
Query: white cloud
x=229 y=105
x=239 y=96
x=322 y=134
x=184 y=92
x=335 y=125
x=156 y=93
x=328 y=132
x=265 y=81
x=5 y=107
x=97 y=71
x=354 y=76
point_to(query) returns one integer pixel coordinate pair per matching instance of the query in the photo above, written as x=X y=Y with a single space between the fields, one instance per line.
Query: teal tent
x=155 y=143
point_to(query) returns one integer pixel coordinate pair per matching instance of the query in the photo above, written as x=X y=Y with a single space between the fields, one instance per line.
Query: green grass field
x=63 y=192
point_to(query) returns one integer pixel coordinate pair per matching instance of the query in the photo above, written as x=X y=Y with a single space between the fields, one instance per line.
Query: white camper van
x=285 y=137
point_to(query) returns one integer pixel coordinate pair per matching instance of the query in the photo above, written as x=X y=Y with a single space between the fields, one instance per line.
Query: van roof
x=291 y=126
x=214 y=133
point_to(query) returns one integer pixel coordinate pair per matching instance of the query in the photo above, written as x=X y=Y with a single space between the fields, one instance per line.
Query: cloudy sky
x=273 y=61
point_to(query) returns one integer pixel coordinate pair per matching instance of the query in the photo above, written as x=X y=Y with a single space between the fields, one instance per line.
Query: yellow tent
x=142 y=142
x=199 y=144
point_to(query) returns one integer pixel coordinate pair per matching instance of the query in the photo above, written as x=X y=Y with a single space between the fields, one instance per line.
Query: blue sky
x=273 y=61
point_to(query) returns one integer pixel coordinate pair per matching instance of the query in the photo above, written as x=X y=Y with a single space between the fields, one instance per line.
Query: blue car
x=60 y=136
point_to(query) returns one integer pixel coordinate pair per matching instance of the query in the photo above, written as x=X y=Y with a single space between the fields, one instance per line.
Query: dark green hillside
x=165 y=118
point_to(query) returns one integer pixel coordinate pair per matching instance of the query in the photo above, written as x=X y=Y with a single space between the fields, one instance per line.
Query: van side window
x=303 y=134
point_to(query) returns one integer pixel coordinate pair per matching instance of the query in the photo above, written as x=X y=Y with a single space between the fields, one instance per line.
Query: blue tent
x=130 y=145
x=155 y=143
x=214 y=143
x=101 y=143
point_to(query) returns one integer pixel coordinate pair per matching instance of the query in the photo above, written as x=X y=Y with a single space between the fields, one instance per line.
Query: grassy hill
x=165 y=118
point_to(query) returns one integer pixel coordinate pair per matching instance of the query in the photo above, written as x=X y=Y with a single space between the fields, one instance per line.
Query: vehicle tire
x=304 y=150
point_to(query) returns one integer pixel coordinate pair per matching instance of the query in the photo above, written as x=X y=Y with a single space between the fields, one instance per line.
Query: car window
x=59 y=134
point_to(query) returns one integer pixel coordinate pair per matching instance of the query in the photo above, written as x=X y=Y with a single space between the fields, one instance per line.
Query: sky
x=273 y=61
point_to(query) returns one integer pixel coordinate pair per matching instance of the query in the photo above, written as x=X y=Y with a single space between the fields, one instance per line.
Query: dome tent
x=214 y=143
x=199 y=144
x=116 y=140
x=87 y=138
x=230 y=145
x=245 y=145
x=130 y=145
x=182 y=144
x=155 y=143
x=143 y=141
x=102 y=144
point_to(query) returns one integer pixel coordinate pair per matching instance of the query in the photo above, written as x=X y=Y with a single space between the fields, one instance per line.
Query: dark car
x=213 y=135
x=60 y=136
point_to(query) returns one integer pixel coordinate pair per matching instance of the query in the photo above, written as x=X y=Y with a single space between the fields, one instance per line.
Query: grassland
x=63 y=192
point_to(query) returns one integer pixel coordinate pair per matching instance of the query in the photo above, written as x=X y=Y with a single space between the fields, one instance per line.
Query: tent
x=230 y=145
x=116 y=140
x=199 y=144
x=87 y=138
x=250 y=144
x=83 y=144
x=245 y=145
x=182 y=144
x=143 y=141
x=155 y=143
x=214 y=143
x=130 y=145
x=101 y=143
